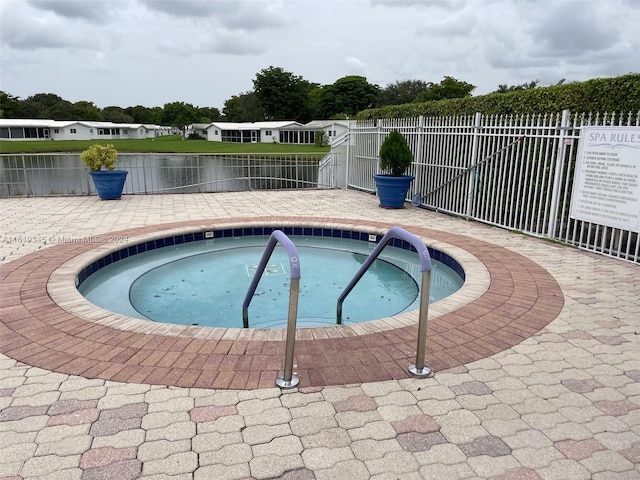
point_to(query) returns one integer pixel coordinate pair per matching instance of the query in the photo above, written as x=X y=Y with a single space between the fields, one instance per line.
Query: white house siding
x=265 y=132
x=213 y=134
x=269 y=136
x=73 y=131
x=137 y=132
x=24 y=129
x=37 y=129
x=333 y=129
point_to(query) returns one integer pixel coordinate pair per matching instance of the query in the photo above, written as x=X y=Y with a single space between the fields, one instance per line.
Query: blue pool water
x=205 y=282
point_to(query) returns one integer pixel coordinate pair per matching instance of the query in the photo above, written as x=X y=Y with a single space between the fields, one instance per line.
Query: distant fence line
x=65 y=174
x=511 y=171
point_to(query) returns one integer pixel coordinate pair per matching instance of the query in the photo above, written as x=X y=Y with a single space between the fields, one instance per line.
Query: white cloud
x=444 y=4
x=569 y=31
x=151 y=52
x=76 y=9
x=226 y=43
x=232 y=14
x=355 y=65
x=97 y=62
x=461 y=25
x=182 y=8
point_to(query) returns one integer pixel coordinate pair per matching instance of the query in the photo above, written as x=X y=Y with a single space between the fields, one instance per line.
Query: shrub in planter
x=99 y=157
x=101 y=161
x=395 y=158
x=395 y=154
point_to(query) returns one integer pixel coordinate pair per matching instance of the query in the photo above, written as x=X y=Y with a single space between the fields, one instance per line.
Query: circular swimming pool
x=203 y=281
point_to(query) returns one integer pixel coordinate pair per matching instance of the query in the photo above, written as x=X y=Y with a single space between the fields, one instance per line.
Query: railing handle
x=419 y=369
x=294 y=266
x=289 y=380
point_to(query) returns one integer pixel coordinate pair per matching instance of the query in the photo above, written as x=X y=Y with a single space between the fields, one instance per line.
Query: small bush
x=98 y=156
x=320 y=138
x=395 y=155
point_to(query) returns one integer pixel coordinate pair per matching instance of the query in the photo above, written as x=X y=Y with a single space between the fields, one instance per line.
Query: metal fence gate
x=512 y=171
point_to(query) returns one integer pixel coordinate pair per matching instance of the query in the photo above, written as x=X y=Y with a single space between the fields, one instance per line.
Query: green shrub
x=620 y=94
x=320 y=138
x=395 y=155
x=97 y=156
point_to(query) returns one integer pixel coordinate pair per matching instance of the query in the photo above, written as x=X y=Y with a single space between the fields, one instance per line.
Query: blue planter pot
x=109 y=183
x=392 y=191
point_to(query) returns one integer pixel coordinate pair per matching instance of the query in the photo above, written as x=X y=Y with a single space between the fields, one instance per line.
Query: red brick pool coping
x=520 y=299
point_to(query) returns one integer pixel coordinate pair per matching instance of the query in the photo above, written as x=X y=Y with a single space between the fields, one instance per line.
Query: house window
x=233 y=136
x=125 y=131
x=268 y=133
x=91 y=131
x=56 y=130
x=215 y=132
x=73 y=130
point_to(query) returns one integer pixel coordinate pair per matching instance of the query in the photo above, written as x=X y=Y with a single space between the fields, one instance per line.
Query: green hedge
x=619 y=94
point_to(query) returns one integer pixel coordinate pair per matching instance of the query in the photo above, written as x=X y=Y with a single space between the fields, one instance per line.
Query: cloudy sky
x=151 y=52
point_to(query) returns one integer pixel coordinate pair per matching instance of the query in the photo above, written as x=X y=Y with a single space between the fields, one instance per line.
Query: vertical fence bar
x=26 y=178
x=557 y=179
x=144 y=176
x=472 y=163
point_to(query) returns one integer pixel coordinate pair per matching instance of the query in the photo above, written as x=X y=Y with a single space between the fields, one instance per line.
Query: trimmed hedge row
x=619 y=94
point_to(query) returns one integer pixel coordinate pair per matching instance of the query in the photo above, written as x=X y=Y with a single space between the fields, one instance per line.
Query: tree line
x=276 y=95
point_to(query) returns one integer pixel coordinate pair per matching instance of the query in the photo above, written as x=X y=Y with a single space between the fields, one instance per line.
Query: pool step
x=303 y=322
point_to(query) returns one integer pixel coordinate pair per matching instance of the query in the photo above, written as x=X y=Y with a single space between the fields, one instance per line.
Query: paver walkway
x=563 y=403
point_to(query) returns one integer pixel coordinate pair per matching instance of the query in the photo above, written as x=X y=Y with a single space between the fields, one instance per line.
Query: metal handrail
x=288 y=380
x=419 y=369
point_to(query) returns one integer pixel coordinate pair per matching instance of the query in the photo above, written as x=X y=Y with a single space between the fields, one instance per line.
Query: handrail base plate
x=420 y=372
x=282 y=383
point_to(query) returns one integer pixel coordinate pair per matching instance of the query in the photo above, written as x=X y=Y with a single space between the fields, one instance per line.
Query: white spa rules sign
x=606 y=184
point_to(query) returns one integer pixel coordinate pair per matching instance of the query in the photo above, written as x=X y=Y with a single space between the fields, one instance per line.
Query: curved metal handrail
x=294 y=265
x=288 y=380
x=418 y=369
x=394 y=232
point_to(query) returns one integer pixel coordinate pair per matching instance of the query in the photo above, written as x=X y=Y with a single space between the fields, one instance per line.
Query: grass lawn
x=166 y=144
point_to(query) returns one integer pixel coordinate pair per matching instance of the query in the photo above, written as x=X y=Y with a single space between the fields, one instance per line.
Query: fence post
x=88 y=177
x=418 y=157
x=198 y=173
x=347 y=159
x=26 y=177
x=379 y=127
x=474 y=159
x=557 y=177
x=144 y=174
